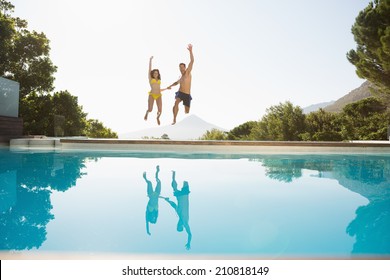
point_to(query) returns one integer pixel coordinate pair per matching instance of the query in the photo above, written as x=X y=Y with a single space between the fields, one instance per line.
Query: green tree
x=366 y=119
x=41 y=110
x=38 y=111
x=7 y=32
x=66 y=105
x=372 y=34
x=283 y=122
x=241 y=132
x=165 y=136
x=322 y=126
x=96 y=129
x=24 y=55
x=214 y=134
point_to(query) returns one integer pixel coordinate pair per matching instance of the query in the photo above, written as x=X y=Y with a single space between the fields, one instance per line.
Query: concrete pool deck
x=199 y=146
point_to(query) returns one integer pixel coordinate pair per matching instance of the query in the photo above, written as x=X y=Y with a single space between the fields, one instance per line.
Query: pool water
x=273 y=206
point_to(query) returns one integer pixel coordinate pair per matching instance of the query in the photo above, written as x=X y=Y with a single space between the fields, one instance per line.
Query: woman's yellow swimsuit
x=155 y=95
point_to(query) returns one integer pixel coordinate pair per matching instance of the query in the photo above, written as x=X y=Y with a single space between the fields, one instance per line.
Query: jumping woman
x=155 y=91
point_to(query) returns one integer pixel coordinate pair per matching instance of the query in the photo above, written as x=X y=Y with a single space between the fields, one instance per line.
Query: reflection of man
x=151 y=213
x=182 y=207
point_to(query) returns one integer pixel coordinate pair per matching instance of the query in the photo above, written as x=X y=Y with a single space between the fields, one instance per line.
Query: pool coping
x=198 y=146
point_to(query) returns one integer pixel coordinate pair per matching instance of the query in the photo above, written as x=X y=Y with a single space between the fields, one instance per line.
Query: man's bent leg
x=176 y=109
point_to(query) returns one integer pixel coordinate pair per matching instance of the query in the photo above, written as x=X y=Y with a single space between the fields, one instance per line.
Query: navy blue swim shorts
x=185 y=97
x=184 y=191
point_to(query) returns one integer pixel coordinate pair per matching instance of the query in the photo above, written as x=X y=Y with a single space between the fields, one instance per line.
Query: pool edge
x=199 y=146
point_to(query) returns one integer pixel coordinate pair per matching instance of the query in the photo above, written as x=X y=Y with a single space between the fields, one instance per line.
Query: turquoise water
x=272 y=206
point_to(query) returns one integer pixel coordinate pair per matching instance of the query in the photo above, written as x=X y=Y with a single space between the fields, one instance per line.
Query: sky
x=249 y=54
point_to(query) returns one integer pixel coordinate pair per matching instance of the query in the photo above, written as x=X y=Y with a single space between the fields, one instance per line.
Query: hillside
x=190 y=128
x=316 y=107
x=355 y=95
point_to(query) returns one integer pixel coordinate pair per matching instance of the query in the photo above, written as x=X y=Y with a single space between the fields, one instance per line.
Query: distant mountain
x=337 y=106
x=355 y=95
x=316 y=107
x=190 y=128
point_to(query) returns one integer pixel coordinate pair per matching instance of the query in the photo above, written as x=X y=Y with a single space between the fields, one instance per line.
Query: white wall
x=9 y=98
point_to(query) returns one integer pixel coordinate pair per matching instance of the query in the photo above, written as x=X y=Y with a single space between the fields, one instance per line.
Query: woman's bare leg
x=150 y=107
x=159 y=109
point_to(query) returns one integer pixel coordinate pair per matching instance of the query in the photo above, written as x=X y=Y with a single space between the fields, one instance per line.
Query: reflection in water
x=27 y=181
x=23 y=222
x=23 y=226
x=151 y=213
x=284 y=170
x=371 y=228
x=181 y=207
x=367 y=176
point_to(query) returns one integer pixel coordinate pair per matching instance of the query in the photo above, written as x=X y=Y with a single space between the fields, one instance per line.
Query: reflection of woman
x=182 y=207
x=151 y=213
x=155 y=91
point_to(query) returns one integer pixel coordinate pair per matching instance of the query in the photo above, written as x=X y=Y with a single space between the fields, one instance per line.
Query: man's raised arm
x=189 y=68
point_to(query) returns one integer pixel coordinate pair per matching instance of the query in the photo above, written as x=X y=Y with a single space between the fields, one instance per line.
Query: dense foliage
x=367 y=119
x=372 y=55
x=241 y=132
x=282 y=122
x=96 y=129
x=214 y=134
x=322 y=126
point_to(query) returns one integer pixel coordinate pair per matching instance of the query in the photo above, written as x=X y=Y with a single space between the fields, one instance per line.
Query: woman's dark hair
x=152 y=72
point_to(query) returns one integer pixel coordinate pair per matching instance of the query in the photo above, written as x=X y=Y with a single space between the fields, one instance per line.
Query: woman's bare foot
x=146 y=115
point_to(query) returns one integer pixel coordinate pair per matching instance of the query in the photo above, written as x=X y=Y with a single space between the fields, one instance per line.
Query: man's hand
x=189 y=47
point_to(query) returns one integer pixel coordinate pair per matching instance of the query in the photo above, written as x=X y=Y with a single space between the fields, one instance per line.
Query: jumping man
x=184 y=93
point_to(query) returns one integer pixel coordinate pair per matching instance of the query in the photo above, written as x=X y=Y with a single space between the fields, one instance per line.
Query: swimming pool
x=239 y=205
